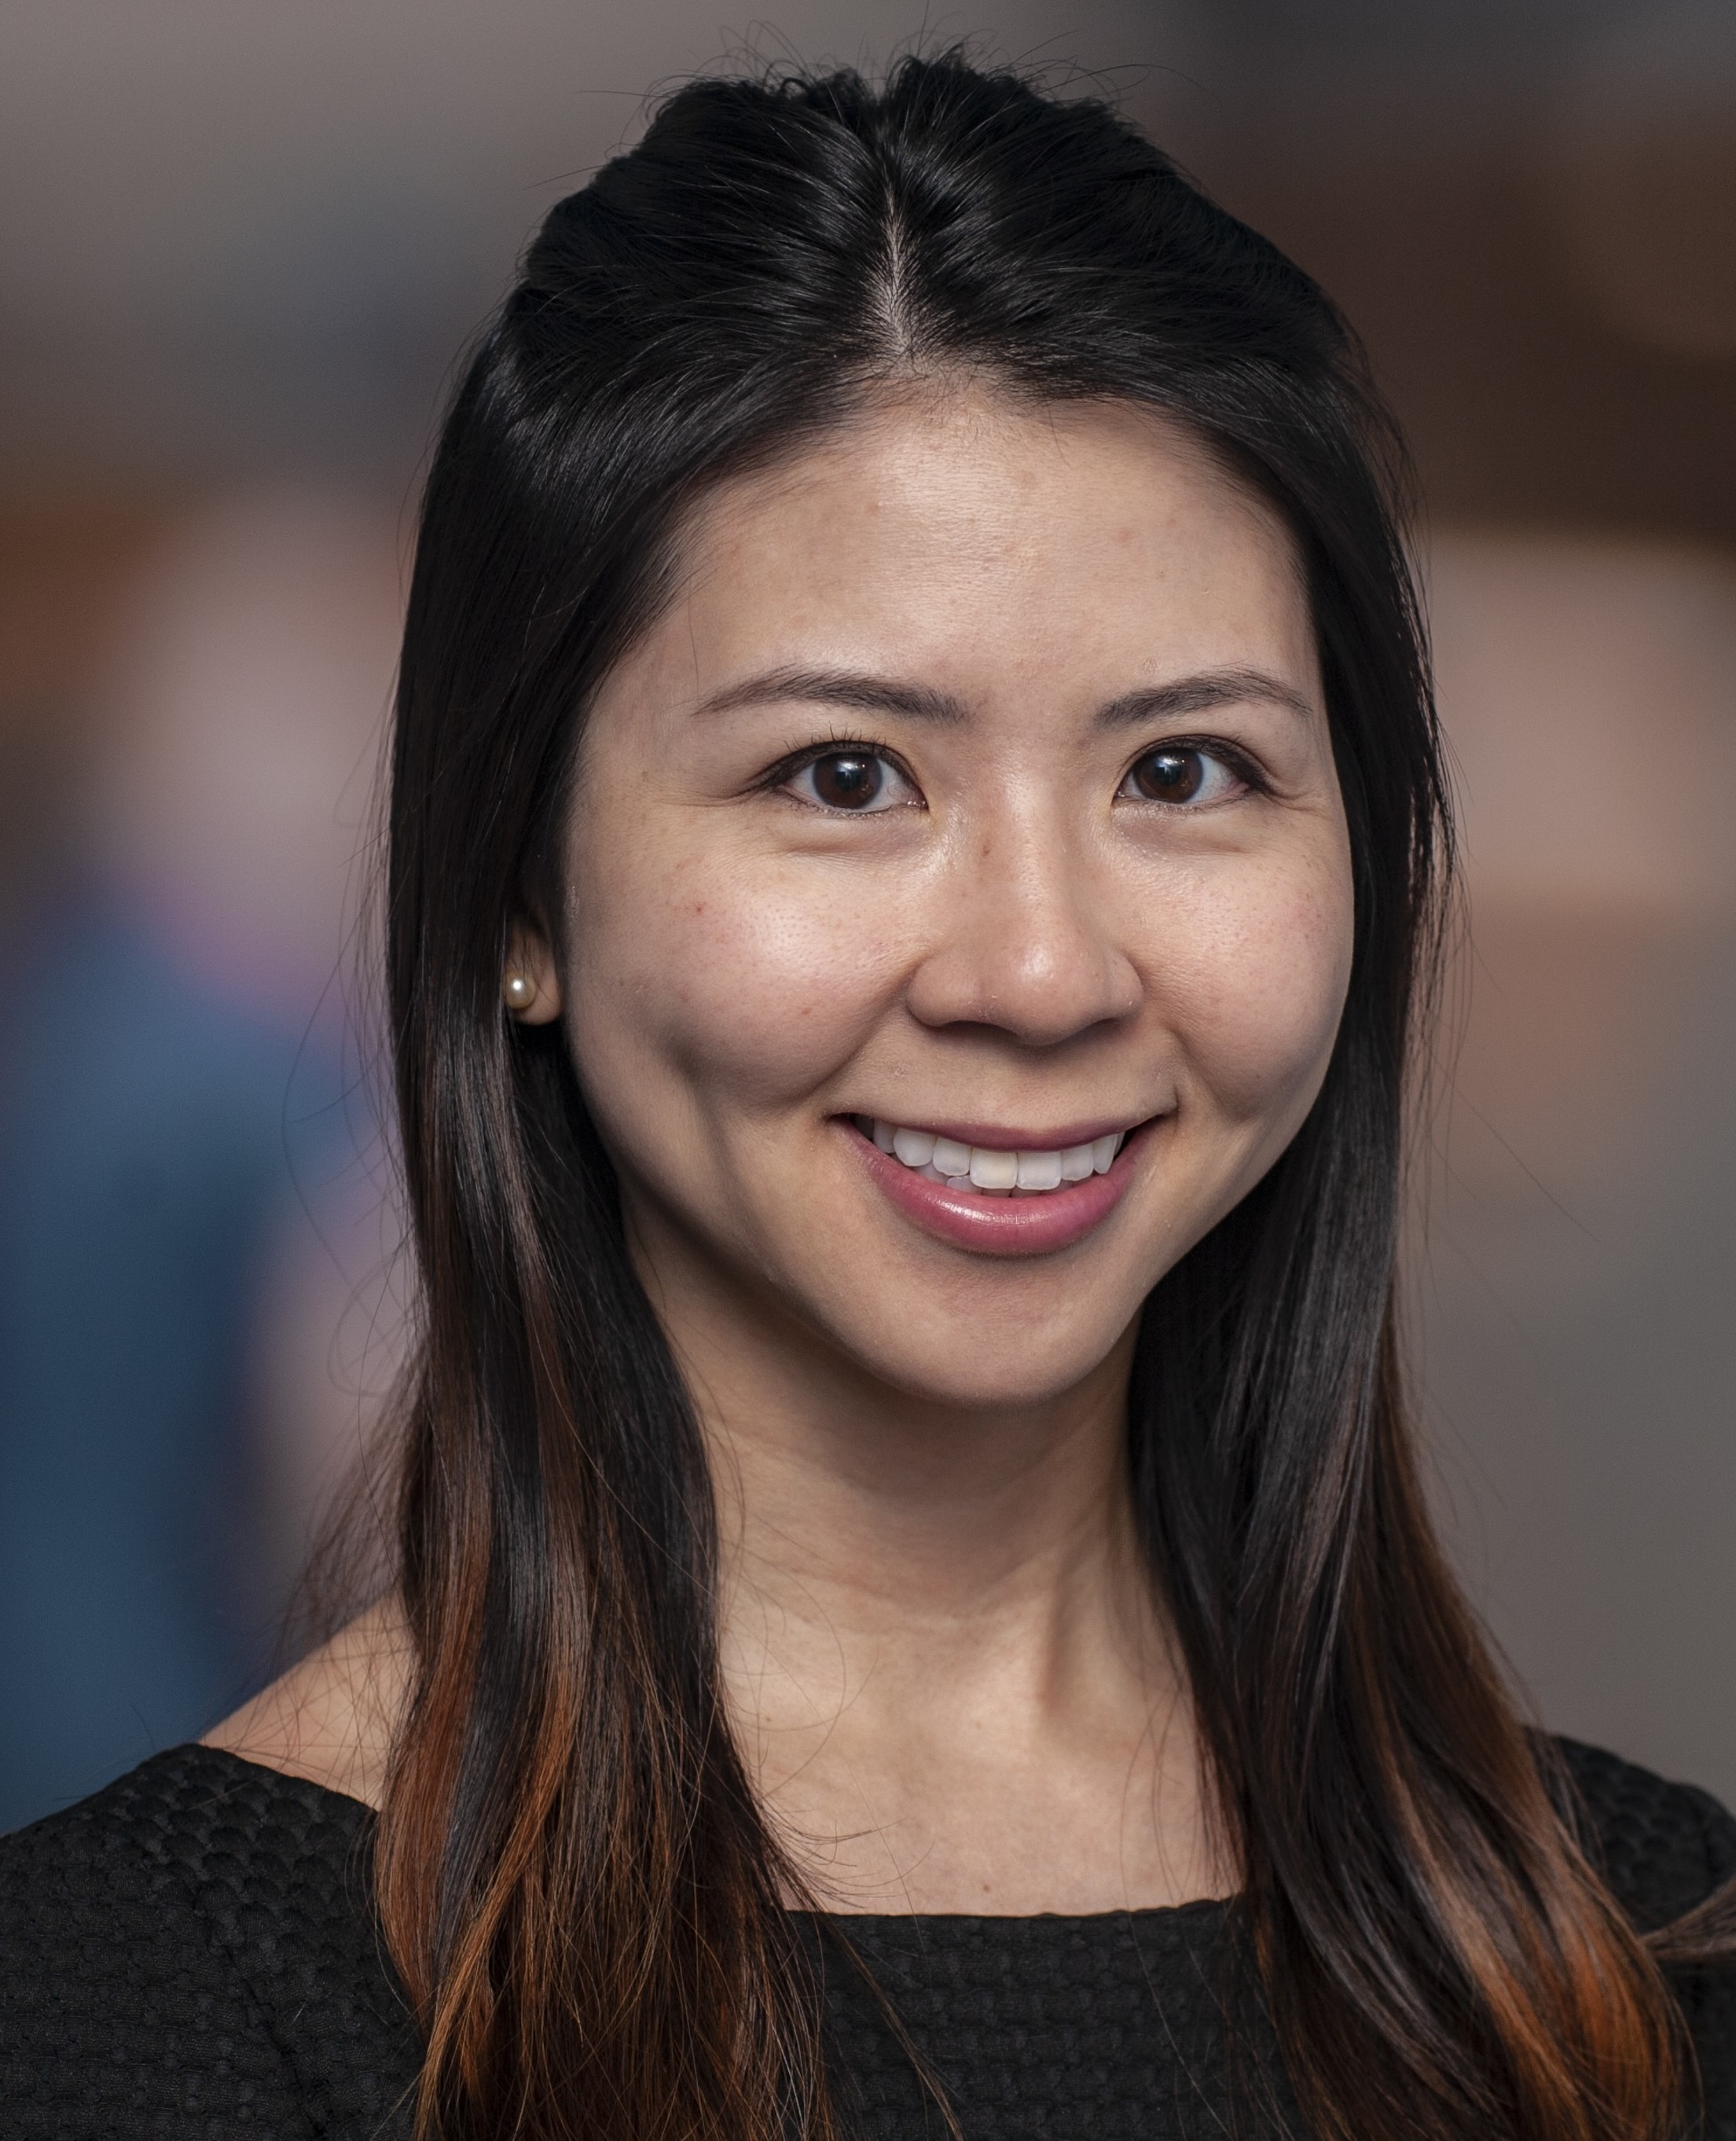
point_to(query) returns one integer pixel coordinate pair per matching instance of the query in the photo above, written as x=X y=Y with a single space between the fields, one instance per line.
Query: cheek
x=1256 y=1003
x=746 y=982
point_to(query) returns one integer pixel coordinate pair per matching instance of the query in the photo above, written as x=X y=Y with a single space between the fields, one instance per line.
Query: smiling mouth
x=992 y=1170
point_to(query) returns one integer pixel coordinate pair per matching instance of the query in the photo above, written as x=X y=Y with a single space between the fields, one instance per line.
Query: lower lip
x=1033 y=1226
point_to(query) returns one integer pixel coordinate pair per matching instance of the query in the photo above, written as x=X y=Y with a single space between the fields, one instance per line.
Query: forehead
x=960 y=526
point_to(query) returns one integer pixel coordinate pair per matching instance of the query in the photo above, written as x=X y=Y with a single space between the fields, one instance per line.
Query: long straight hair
x=583 y=1895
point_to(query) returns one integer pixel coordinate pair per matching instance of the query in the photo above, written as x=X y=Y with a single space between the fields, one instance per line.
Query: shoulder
x=332 y=1720
x=1662 y=1847
x=193 y=1950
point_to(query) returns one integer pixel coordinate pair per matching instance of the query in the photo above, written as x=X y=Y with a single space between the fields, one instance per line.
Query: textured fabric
x=1112 y=2027
x=1663 y=1848
x=192 y=1954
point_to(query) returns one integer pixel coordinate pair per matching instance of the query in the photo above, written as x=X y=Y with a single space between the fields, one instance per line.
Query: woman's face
x=977 y=785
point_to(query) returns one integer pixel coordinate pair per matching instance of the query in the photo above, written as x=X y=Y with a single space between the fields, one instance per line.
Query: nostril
x=1032 y=961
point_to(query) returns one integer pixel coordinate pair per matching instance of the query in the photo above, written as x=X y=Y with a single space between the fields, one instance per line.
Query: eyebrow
x=840 y=687
x=890 y=695
x=1201 y=694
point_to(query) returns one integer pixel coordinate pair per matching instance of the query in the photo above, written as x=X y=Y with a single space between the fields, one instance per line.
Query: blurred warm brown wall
x=67 y=565
x=1529 y=396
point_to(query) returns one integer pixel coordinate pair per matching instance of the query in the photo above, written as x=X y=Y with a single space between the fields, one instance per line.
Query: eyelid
x=810 y=753
x=1233 y=756
x=1240 y=761
x=778 y=777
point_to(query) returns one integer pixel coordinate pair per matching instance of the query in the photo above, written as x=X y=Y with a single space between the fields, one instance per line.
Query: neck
x=942 y=1651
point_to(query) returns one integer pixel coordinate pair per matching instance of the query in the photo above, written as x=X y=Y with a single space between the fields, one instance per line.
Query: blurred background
x=241 y=248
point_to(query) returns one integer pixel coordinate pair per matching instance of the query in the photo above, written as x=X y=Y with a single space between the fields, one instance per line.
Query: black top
x=193 y=1953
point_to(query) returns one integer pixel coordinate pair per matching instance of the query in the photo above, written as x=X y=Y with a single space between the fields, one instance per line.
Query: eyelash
x=835 y=746
x=798 y=760
x=1234 y=761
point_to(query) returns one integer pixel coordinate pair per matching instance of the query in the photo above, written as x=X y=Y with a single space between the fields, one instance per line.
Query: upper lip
x=998 y=1137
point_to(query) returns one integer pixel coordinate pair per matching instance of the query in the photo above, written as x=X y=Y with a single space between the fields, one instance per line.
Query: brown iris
x=1170 y=775
x=848 y=779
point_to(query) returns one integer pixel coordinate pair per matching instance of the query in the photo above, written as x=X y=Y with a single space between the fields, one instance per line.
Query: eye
x=851 y=778
x=1182 y=773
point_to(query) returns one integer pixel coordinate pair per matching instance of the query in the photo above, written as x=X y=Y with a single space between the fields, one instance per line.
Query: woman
x=916 y=835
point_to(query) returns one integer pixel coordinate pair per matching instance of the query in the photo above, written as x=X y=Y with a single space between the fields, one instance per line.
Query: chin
x=971 y=1364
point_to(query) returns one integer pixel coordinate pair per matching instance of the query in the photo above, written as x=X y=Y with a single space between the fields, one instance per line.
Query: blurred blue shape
x=147 y=1144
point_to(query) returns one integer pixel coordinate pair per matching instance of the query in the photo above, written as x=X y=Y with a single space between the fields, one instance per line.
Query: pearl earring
x=519 y=992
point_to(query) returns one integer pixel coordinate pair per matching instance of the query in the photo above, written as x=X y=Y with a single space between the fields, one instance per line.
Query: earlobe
x=530 y=986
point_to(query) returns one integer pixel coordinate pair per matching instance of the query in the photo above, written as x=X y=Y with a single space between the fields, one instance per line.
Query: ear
x=530 y=986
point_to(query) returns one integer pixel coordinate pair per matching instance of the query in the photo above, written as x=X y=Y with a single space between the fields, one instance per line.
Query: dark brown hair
x=575 y=1879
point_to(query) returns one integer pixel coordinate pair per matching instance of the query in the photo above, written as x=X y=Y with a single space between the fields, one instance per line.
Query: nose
x=1025 y=943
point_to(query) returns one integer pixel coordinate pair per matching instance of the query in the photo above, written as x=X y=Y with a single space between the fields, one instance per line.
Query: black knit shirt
x=193 y=1954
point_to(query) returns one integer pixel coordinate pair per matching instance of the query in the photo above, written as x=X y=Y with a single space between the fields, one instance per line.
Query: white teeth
x=915 y=1147
x=992 y=1170
x=1077 y=1163
x=1039 y=1170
